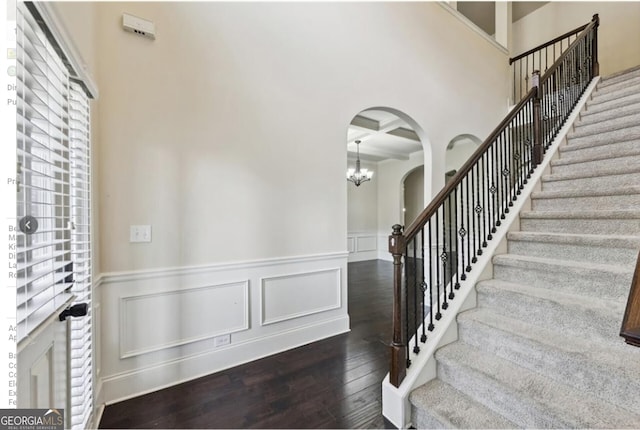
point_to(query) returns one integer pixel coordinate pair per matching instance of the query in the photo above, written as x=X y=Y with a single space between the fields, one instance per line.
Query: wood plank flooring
x=333 y=383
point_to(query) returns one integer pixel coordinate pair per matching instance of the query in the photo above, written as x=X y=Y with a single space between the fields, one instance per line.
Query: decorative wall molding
x=306 y=293
x=133 y=275
x=362 y=246
x=209 y=311
x=160 y=327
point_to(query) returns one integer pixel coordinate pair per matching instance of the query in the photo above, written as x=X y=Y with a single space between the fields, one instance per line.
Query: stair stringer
x=395 y=401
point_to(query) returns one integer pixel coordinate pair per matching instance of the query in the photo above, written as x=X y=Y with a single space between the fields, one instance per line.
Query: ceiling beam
x=404 y=132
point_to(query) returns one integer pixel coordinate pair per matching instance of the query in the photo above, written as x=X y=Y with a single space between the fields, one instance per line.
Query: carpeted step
x=603 y=249
x=567 y=167
x=619 y=77
x=605 y=87
x=618 y=135
x=625 y=119
x=613 y=92
x=616 y=222
x=573 y=155
x=592 y=109
x=588 y=120
x=603 y=177
x=439 y=405
x=573 y=314
x=587 y=199
x=525 y=397
x=608 y=371
x=607 y=281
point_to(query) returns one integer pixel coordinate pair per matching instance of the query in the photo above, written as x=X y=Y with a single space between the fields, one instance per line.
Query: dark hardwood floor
x=333 y=383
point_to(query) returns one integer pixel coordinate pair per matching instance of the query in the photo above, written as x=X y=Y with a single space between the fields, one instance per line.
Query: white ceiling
x=383 y=136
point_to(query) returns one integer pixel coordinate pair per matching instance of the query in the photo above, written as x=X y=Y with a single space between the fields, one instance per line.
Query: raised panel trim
x=263 y=284
x=124 y=353
x=351 y=244
x=366 y=243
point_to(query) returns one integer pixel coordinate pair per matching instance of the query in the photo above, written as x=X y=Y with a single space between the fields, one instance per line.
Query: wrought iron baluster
x=444 y=257
x=431 y=326
x=454 y=236
x=474 y=230
x=438 y=314
x=406 y=306
x=423 y=288
x=416 y=348
x=462 y=232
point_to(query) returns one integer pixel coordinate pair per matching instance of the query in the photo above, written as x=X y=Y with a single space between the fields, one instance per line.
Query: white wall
x=463 y=147
x=413 y=195
x=227 y=135
x=618 y=35
x=362 y=216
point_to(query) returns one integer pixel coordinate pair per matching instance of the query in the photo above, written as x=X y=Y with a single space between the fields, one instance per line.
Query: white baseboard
x=145 y=380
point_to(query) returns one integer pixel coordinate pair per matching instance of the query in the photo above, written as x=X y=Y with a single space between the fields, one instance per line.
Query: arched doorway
x=391 y=144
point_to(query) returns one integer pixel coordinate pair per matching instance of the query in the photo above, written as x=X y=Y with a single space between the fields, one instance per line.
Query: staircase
x=542 y=347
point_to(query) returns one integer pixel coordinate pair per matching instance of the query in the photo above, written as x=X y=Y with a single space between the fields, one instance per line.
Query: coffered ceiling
x=383 y=136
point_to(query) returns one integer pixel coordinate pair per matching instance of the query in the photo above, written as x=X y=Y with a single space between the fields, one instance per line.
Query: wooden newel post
x=537 y=120
x=398 y=368
x=594 y=61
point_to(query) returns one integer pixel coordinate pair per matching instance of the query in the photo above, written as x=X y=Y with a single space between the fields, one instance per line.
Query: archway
x=391 y=144
x=459 y=149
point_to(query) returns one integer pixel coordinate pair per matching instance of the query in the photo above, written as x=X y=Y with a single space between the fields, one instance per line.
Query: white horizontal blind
x=44 y=257
x=81 y=357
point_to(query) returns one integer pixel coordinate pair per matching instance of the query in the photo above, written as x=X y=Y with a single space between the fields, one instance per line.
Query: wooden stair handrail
x=630 y=330
x=549 y=43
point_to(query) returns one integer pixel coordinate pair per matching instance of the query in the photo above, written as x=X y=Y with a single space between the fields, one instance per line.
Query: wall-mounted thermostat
x=138 y=26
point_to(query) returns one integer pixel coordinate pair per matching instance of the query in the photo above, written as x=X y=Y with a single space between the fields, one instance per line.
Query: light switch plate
x=140 y=233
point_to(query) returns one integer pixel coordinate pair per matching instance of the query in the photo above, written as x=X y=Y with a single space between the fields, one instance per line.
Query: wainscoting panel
x=181 y=317
x=362 y=246
x=167 y=326
x=297 y=295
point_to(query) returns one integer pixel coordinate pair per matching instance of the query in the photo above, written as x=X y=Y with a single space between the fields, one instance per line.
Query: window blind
x=54 y=183
x=44 y=269
x=81 y=342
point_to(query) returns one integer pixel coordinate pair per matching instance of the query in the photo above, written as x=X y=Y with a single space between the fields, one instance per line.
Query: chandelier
x=357 y=175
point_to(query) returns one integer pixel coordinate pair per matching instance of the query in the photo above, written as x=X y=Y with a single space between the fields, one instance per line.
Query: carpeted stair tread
x=607 y=115
x=590 y=173
x=629 y=132
x=586 y=192
x=606 y=281
x=619 y=77
x=551 y=308
x=592 y=214
x=595 y=248
x=615 y=91
x=587 y=198
x=597 y=147
x=606 y=85
x=620 y=121
x=449 y=408
x=525 y=397
x=578 y=157
x=611 y=104
x=605 y=241
x=608 y=370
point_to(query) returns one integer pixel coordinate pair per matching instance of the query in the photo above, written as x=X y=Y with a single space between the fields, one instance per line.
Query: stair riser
x=624 y=121
x=572 y=320
x=594 y=182
x=606 y=285
x=593 y=254
x=586 y=166
x=612 y=114
x=567 y=367
x=582 y=226
x=521 y=410
x=592 y=109
x=614 y=92
x=587 y=203
x=422 y=419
